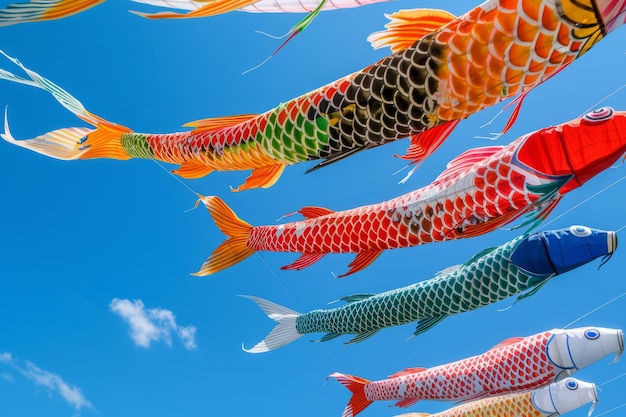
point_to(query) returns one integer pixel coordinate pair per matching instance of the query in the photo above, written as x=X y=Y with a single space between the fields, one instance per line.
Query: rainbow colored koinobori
x=555 y=399
x=525 y=263
x=481 y=190
x=515 y=365
x=42 y=10
x=436 y=76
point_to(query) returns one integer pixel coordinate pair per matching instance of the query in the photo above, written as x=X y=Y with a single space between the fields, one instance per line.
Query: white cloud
x=53 y=382
x=152 y=325
x=7 y=376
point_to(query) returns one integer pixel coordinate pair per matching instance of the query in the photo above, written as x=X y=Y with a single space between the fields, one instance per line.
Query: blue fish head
x=557 y=251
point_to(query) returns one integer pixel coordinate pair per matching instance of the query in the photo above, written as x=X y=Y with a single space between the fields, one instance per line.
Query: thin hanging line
x=611 y=380
x=582 y=202
x=611 y=410
x=596 y=309
x=593 y=107
x=174 y=176
x=621 y=228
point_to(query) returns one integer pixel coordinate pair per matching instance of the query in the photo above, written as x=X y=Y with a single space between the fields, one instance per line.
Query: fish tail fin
x=105 y=141
x=232 y=250
x=356 y=385
x=283 y=333
x=212 y=8
x=38 y=11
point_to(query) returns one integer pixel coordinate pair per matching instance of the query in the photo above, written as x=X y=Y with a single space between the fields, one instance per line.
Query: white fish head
x=564 y=396
x=574 y=349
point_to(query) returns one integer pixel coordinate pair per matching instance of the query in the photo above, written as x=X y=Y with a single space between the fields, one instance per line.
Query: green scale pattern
x=486 y=278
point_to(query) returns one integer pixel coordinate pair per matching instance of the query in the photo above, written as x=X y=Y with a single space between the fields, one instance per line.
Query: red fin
x=356 y=385
x=361 y=261
x=488 y=226
x=407 y=402
x=312 y=212
x=305 y=260
x=513 y=118
x=214 y=123
x=507 y=342
x=235 y=248
x=407 y=371
x=213 y=8
x=467 y=160
x=192 y=170
x=423 y=144
x=406 y=27
x=263 y=177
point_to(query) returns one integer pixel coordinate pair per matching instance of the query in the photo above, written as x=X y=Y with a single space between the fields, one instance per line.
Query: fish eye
x=592 y=334
x=571 y=384
x=599 y=115
x=580 y=231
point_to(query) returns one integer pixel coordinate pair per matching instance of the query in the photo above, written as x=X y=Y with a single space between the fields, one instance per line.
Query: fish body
x=481 y=190
x=524 y=263
x=442 y=70
x=557 y=398
x=515 y=365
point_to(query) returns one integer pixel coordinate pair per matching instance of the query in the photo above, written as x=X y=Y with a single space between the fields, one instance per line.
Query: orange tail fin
x=232 y=250
x=70 y=143
x=356 y=385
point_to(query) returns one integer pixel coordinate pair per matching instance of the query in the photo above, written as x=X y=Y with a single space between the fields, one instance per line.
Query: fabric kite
x=525 y=263
x=515 y=365
x=481 y=190
x=41 y=10
x=436 y=76
x=556 y=399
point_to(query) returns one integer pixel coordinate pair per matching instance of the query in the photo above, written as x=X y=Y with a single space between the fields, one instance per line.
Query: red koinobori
x=442 y=69
x=481 y=190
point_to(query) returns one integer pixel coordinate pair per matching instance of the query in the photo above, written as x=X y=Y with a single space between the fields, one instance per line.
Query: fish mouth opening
x=620 y=340
x=612 y=241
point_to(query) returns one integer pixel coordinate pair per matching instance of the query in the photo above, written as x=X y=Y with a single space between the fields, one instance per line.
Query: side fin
x=407 y=371
x=356 y=385
x=415 y=415
x=507 y=342
x=263 y=177
x=480 y=255
x=361 y=261
x=406 y=27
x=215 y=123
x=328 y=336
x=448 y=270
x=423 y=144
x=465 y=161
x=192 y=170
x=305 y=260
x=407 y=402
x=534 y=290
x=42 y=10
x=232 y=250
x=311 y=212
x=492 y=224
x=285 y=331
x=361 y=337
x=212 y=8
x=357 y=297
x=428 y=323
x=336 y=158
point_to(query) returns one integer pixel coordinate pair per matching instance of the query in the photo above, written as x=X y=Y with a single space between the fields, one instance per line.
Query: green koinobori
x=524 y=263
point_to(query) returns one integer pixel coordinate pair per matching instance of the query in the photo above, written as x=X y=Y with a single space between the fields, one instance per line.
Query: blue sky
x=90 y=247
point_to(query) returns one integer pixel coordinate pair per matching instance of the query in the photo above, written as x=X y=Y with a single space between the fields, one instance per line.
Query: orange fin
x=408 y=26
x=467 y=160
x=358 y=402
x=263 y=177
x=361 y=261
x=407 y=402
x=192 y=170
x=488 y=226
x=232 y=250
x=423 y=144
x=38 y=11
x=507 y=342
x=312 y=212
x=305 y=260
x=213 y=8
x=214 y=123
x=407 y=371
